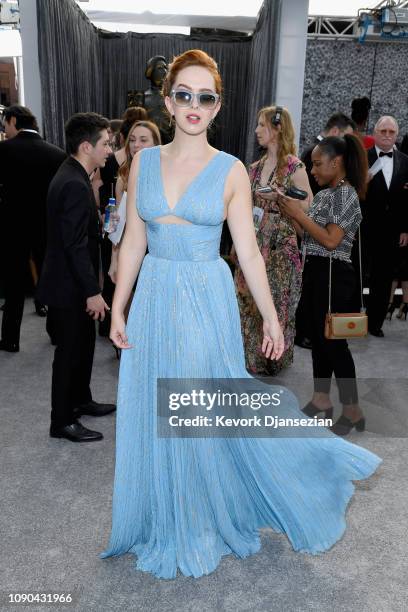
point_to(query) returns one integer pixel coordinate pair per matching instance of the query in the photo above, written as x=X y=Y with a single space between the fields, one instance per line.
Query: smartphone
x=266 y=189
x=297 y=194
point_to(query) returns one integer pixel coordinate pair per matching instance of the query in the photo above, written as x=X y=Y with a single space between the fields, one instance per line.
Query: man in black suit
x=27 y=166
x=385 y=217
x=69 y=280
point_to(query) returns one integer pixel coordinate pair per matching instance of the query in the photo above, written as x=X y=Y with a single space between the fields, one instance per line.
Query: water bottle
x=109 y=223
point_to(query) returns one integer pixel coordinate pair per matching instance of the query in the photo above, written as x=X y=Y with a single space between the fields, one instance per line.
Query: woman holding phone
x=329 y=229
x=276 y=236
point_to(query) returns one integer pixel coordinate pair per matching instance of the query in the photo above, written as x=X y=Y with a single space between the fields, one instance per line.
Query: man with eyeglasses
x=27 y=166
x=385 y=215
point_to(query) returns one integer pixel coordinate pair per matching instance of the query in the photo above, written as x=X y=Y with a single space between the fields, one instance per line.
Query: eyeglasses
x=183 y=98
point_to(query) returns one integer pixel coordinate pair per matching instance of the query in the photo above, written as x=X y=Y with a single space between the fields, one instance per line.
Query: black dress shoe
x=94 y=409
x=376 y=332
x=303 y=342
x=10 y=347
x=75 y=432
x=40 y=309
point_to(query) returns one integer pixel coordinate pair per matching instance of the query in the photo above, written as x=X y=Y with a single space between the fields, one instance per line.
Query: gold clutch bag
x=340 y=326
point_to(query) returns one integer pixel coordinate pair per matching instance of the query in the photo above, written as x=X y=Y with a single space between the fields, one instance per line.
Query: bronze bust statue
x=156 y=70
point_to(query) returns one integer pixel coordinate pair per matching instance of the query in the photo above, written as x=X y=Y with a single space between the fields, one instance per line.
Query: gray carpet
x=56 y=496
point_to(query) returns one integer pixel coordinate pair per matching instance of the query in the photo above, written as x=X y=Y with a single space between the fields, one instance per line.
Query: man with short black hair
x=69 y=282
x=27 y=166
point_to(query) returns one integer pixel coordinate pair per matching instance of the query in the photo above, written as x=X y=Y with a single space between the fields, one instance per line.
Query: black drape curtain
x=86 y=69
x=262 y=71
x=70 y=65
x=123 y=62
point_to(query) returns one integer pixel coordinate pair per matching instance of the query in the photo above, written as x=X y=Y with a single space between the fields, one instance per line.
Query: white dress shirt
x=387 y=165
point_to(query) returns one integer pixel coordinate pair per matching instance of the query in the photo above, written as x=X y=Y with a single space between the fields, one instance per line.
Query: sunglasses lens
x=182 y=98
x=207 y=100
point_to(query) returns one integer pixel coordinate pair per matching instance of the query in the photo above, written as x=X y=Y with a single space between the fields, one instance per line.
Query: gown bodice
x=201 y=206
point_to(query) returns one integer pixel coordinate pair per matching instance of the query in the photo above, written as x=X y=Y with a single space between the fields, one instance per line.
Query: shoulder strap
x=362 y=309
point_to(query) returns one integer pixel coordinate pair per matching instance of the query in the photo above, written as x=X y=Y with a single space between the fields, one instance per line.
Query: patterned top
x=339 y=205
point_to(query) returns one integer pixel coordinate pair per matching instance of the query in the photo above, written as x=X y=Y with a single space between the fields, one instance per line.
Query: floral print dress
x=278 y=244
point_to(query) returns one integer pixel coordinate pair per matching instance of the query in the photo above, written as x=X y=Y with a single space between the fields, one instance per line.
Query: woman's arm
x=131 y=253
x=96 y=185
x=329 y=236
x=240 y=223
x=301 y=181
x=113 y=268
x=119 y=189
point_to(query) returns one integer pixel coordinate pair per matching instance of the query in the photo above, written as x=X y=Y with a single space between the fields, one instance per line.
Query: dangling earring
x=171 y=120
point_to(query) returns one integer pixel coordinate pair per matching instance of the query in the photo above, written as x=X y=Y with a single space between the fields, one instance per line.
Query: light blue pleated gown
x=182 y=503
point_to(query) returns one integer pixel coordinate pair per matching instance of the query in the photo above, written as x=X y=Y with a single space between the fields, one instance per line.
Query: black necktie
x=389 y=154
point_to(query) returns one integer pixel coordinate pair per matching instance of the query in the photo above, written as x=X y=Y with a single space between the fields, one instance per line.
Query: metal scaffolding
x=359 y=27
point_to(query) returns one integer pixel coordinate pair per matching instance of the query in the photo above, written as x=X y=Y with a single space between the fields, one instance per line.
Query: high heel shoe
x=390 y=310
x=343 y=426
x=311 y=411
x=402 y=313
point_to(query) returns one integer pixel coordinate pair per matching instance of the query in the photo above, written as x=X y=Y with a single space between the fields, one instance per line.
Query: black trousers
x=329 y=356
x=74 y=333
x=14 y=268
x=383 y=256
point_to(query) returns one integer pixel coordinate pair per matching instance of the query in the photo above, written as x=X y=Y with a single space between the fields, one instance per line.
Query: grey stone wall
x=338 y=71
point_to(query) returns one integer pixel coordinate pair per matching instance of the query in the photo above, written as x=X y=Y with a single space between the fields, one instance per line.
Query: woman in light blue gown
x=182 y=503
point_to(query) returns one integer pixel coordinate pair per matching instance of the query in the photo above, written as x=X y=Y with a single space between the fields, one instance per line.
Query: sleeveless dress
x=277 y=241
x=182 y=503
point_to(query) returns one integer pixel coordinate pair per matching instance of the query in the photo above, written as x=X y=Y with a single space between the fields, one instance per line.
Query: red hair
x=193 y=57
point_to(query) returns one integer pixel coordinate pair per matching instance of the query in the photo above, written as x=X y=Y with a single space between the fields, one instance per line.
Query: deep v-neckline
x=190 y=184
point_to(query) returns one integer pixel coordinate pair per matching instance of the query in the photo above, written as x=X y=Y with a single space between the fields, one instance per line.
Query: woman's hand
x=118 y=332
x=273 y=342
x=290 y=207
x=271 y=196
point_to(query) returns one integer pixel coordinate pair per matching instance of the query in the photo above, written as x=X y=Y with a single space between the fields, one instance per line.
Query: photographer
x=328 y=230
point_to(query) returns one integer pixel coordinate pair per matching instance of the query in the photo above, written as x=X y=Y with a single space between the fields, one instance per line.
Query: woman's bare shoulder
x=254 y=164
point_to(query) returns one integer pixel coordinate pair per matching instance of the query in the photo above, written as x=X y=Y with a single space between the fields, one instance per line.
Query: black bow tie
x=389 y=154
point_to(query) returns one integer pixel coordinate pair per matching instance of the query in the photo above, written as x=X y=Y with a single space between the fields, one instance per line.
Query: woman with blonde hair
x=142 y=135
x=276 y=236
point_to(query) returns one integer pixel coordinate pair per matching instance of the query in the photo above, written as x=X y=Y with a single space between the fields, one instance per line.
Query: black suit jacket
x=385 y=211
x=27 y=166
x=71 y=267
